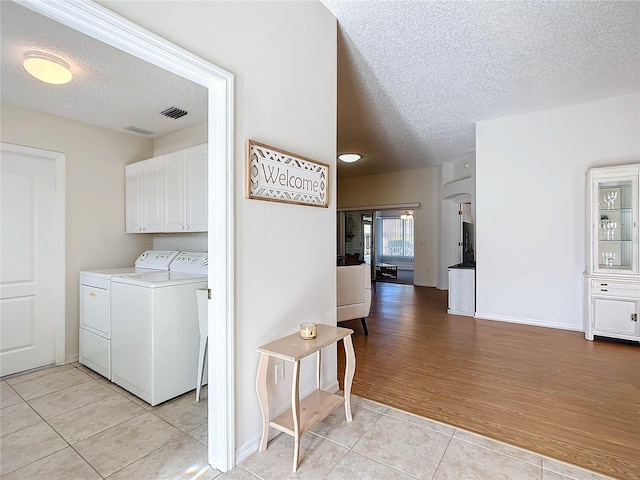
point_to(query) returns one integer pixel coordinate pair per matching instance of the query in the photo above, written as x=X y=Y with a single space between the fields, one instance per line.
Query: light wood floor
x=546 y=390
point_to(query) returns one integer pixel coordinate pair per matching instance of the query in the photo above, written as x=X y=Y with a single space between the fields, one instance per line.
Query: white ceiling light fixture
x=349 y=157
x=47 y=68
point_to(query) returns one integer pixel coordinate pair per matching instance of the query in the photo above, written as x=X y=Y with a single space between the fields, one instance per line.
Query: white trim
x=366 y=208
x=98 y=22
x=251 y=446
x=528 y=321
x=59 y=240
x=61 y=332
x=72 y=358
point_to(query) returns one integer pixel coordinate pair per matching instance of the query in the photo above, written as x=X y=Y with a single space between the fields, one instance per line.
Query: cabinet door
x=152 y=205
x=133 y=197
x=462 y=291
x=614 y=221
x=174 y=192
x=196 y=198
x=615 y=316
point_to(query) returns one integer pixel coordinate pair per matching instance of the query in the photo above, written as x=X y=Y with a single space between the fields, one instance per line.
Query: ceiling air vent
x=131 y=128
x=174 y=112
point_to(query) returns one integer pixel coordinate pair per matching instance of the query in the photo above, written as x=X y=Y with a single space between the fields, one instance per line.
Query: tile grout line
x=69 y=445
x=493 y=440
x=443 y=455
x=181 y=433
x=49 y=393
x=72 y=446
x=336 y=464
x=451 y=437
x=149 y=453
x=351 y=449
x=502 y=453
x=243 y=468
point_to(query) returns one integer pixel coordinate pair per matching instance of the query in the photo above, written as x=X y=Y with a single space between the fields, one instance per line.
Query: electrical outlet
x=279 y=371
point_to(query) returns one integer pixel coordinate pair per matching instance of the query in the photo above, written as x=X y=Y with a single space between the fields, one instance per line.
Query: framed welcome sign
x=279 y=176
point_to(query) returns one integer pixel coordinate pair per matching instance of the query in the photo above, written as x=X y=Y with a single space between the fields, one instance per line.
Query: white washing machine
x=94 y=308
x=154 y=329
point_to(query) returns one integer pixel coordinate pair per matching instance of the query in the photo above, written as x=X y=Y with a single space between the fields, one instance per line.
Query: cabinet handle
x=634 y=317
x=604 y=290
x=604 y=284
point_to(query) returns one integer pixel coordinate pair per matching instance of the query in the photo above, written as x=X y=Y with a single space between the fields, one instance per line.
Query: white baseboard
x=529 y=321
x=333 y=387
x=72 y=358
x=423 y=284
x=250 y=447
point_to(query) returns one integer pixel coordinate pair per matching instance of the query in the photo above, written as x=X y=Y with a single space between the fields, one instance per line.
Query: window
x=396 y=235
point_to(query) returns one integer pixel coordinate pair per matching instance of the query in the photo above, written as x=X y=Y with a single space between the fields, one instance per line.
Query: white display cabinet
x=612 y=280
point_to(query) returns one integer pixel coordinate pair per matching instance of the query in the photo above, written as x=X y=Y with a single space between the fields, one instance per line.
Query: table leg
x=263 y=398
x=349 y=372
x=295 y=410
x=318 y=371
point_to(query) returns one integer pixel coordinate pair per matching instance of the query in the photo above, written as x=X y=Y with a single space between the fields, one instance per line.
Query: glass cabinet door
x=616 y=209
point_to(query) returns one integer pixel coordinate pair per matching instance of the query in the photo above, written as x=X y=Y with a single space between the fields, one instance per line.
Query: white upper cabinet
x=197 y=181
x=185 y=184
x=174 y=197
x=143 y=190
x=613 y=221
x=177 y=185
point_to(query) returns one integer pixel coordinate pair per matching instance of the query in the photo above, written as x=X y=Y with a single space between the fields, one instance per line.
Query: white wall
x=189 y=137
x=95 y=225
x=530 y=190
x=403 y=187
x=283 y=55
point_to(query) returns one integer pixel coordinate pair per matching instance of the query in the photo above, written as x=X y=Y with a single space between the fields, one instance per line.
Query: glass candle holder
x=308 y=330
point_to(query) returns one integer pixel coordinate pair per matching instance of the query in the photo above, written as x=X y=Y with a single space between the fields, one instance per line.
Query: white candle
x=308 y=330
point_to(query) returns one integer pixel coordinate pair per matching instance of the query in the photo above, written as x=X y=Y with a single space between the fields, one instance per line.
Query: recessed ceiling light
x=47 y=68
x=349 y=157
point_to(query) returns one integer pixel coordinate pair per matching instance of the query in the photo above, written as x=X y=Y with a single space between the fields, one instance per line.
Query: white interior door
x=29 y=260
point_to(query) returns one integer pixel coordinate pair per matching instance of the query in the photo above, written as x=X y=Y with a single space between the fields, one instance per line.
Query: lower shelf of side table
x=313 y=409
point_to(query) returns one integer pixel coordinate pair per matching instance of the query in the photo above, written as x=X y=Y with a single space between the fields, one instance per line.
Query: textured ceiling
x=414 y=77
x=110 y=88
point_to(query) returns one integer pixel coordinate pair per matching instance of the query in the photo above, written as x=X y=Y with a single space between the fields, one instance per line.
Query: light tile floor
x=70 y=423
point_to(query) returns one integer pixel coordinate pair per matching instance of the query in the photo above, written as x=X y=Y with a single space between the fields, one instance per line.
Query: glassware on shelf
x=608 y=258
x=610 y=199
x=610 y=229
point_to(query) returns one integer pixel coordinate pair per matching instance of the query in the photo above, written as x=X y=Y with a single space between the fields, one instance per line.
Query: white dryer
x=94 y=308
x=154 y=329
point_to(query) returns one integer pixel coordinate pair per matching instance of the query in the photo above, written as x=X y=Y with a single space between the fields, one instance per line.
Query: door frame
x=98 y=22
x=58 y=238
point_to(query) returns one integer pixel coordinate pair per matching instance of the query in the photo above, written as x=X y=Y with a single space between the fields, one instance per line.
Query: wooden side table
x=304 y=414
